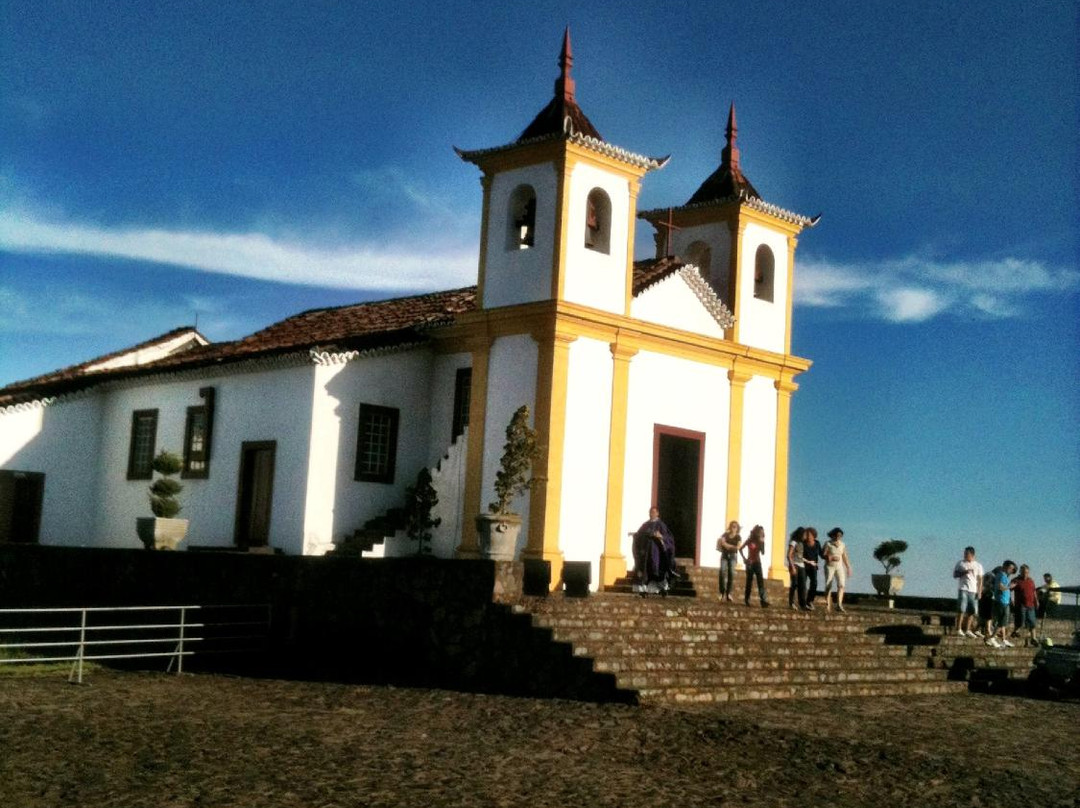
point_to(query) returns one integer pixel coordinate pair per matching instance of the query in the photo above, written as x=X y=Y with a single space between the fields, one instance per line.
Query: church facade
x=666 y=381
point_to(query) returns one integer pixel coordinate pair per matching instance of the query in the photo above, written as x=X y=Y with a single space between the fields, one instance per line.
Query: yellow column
x=613 y=562
x=738 y=379
x=553 y=363
x=791 y=243
x=562 y=222
x=635 y=188
x=474 y=459
x=777 y=565
x=735 y=278
x=481 y=273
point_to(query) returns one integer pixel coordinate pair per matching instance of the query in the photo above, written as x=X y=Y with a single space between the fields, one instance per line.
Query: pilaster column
x=635 y=188
x=792 y=242
x=777 y=564
x=553 y=363
x=481 y=273
x=738 y=379
x=480 y=348
x=735 y=277
x=613 y=561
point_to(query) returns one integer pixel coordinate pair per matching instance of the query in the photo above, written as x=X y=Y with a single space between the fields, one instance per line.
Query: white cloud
x=251 y=255
x=913 y=289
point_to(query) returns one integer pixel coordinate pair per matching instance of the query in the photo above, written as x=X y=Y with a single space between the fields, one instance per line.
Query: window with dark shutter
x=376 y=444
x=142 y=446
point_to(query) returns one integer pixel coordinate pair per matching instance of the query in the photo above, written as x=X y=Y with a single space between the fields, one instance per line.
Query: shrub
x=164 y=490
x=888 y=553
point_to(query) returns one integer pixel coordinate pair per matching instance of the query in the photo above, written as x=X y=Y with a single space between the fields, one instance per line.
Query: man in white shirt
x=969 y=575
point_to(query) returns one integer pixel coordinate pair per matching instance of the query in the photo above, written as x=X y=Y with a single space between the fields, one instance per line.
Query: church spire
x=729 y=156
x=564 y=84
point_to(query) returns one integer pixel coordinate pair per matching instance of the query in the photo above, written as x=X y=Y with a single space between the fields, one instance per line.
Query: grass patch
x=15 y=664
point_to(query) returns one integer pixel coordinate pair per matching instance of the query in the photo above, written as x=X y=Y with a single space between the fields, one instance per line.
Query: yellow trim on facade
x=612 y=561
x=633 y=190
x=562 y=228
x=474 y=467
x=792 y=242
x=694 y=217
x=735 y=277
x=549 y=420
x=481 y=273
x=738 y=377
x=777 y=563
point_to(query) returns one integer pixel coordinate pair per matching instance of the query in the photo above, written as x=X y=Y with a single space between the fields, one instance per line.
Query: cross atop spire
x=564 y=84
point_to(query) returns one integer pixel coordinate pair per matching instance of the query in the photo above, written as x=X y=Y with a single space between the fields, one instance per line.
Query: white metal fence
x=91 y=634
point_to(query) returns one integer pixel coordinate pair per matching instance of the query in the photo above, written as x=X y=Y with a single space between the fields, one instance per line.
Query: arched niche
x=764 y=273
x=598 y=221
x=521 y=219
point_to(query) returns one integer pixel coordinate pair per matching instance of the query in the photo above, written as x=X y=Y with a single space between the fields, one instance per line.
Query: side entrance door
x=255 y=493
x=21 y=493
x=678 y=458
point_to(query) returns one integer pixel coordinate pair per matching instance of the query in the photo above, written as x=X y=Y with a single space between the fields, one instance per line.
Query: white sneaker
x=1007 y=644
x=971 y=634
x=993 y=642
x=976 y=633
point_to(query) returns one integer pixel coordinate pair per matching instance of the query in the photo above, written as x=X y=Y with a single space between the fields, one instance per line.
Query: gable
x=681 y=299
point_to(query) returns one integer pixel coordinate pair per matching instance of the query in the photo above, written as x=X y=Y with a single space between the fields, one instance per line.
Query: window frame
x=134 y=472
x=190 y=456
x=386 y=475
x=462 y=401
x=764 y=274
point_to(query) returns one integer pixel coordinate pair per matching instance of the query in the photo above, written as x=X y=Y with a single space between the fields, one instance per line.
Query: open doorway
x=255 y=493
x=678 y=458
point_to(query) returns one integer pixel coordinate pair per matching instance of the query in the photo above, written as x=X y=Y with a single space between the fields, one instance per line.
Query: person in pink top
x=751 y=551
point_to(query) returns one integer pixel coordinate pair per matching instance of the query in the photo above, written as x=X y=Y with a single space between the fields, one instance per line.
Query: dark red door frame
x=674 y=431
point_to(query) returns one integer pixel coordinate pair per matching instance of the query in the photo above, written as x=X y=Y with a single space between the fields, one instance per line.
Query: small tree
x=163 y=491
x=515 y=466
x=888 y=553
x=421 y=500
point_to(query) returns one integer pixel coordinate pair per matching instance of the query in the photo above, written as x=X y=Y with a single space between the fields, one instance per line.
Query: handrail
x=89 y=642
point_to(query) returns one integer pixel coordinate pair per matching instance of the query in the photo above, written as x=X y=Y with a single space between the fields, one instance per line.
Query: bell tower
x=559 y=209
x=742 y=245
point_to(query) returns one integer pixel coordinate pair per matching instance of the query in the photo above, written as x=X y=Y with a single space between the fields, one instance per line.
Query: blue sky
x=243 y=161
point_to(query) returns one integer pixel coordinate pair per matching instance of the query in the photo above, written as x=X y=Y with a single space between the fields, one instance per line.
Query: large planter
x=498 y=534
x=887 y=585
x=157 y=533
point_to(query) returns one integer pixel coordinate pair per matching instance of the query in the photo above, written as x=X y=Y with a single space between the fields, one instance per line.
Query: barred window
x=376 y=444
x=143 y=440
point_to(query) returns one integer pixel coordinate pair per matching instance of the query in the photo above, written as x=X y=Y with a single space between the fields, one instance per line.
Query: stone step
x=661 y=648
x=729 y=627
x=698 y=695
x=738 y=679
x=754 y=664
x=635 y=635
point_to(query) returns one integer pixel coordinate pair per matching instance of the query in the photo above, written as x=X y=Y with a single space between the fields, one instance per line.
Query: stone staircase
x=694 y=648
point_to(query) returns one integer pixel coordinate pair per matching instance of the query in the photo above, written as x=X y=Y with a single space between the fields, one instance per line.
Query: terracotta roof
x=552 y=119
x=654 y=270
x=728 y=180
x=361 y=326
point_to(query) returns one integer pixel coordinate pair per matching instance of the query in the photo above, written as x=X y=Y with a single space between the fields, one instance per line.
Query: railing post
x=180 y=645
x=78 y=663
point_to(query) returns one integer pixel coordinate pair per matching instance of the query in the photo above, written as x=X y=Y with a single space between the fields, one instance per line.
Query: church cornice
x=482 y=157
x=741 y=200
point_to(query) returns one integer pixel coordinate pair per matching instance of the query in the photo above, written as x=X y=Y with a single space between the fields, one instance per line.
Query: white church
x=666 y=381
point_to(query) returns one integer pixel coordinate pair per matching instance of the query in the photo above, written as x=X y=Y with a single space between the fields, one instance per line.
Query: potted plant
x=499 y=528
x=888 y=555
x=422 y=499
x=163 y=531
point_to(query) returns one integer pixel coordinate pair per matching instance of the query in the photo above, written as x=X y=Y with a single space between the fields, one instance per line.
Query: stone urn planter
x=158 y=533
x=498 y=530
x=498 y=535
x=163 y=531
x=887 y=585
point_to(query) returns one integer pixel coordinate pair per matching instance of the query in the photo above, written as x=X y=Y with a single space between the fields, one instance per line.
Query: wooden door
x=254 y=500
x=678 y=455
x=21 y=494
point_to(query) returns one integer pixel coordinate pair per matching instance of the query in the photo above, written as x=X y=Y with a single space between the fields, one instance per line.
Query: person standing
x=797 y=569
x=969 y=578
x=1026 y=601
x=728 y=544
x=1002 y=599
x=754 y=548
x=1049 y=596
x=654 y=553
x=837 y=567
x=811 y=557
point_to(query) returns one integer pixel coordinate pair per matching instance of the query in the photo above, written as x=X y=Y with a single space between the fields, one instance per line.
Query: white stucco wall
x=583 y=510
x=688 y=395
x=511 y=382
x=514 y=275
x=763 y=324
x=594 y=278
x=673 y=303
x=268 y=405
x=401 y=380
x=62 y=441
x=444 y=370
x=718 y=236
x=758 y=457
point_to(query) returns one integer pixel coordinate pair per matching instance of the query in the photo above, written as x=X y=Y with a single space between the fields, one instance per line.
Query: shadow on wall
x=412 y=621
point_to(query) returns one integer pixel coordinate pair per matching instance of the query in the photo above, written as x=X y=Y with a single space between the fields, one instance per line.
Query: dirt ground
x=137 y=739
